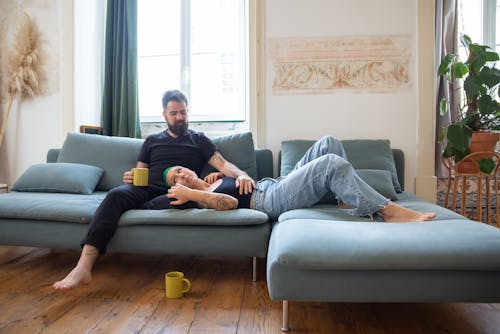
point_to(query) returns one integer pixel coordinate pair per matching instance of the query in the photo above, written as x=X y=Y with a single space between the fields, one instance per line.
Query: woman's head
x=179 y=175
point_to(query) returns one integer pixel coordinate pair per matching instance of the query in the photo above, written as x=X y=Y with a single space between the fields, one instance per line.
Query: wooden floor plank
x=127 y=295
x=259 y=314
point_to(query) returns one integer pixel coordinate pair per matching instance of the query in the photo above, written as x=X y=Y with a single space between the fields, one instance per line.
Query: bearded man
x=177 y=145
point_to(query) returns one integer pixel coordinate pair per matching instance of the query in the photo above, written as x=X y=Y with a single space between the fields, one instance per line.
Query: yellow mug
x=140 y=176
x=175 y=284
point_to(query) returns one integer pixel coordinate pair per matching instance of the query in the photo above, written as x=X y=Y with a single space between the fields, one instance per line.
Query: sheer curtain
x=89 y=57
x=445 y=43
x=120 y=111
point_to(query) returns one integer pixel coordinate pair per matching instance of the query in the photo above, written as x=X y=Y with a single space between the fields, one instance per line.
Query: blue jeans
x=323 y=167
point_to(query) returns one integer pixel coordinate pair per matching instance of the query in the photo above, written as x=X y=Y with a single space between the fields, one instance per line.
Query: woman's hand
x=212 y=177
x=181 y=193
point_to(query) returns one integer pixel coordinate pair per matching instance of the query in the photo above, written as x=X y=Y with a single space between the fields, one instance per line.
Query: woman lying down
x=302 y=188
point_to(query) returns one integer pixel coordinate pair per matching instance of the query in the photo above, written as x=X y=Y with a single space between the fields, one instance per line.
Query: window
x=477 y=18
x=199 y=47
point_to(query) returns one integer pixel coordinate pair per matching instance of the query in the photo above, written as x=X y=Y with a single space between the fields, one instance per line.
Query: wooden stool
x=455 y=174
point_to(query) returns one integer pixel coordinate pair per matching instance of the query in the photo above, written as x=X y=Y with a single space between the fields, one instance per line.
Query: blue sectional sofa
x=316 y=254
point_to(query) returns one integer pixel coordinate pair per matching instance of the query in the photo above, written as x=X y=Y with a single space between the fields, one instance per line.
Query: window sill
x=211 y=129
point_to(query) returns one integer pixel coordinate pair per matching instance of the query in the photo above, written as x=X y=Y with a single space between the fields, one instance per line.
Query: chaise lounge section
x=324 y=254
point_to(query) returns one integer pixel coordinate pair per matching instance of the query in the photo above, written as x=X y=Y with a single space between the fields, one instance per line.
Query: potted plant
x=479 y=111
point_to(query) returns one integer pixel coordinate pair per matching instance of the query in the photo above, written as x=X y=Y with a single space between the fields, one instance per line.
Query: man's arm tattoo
x=223 y=203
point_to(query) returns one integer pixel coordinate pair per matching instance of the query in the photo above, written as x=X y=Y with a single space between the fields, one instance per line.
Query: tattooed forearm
x=220 y=202
x=225 y=203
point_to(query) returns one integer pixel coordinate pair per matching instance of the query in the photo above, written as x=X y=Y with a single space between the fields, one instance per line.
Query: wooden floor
x=127 y=296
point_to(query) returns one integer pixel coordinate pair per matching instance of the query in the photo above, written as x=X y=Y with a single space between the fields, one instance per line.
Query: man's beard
x=179 y=128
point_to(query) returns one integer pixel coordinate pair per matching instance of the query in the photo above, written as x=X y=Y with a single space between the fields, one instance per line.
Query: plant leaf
x=465 y=40
x=446 y=63
x=490 y=76
x=472 y=87
x=479 y=57
x=459 y=137
x=459 y=69
x=443 y=106
x=486 y=165
x=491 y=56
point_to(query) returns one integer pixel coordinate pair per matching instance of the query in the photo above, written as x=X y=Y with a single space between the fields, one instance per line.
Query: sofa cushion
x=59 y=178
x=311 y=244
x=375 y=154
x=114 y=155
x=238 y=149
x=380 y=180
x=372 y=154
x=239 y=217
x=333 y=212
x=74 y=208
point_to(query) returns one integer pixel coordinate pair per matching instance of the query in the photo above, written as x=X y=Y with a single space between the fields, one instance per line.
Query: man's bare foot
x=395 y=213
x=76 y=277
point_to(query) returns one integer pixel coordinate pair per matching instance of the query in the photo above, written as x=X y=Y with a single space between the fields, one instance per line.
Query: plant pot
x=481 y=141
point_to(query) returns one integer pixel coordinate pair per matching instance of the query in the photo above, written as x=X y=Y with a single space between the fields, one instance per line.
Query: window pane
x=218 y=60
x=497 y=28
x=157 y=74
x=158 y=43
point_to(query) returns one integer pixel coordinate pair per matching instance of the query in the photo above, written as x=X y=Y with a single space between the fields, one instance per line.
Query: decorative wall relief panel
x=347 y=63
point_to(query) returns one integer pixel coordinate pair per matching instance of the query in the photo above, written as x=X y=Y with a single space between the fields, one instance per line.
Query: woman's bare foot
x=76 y=277
x=393 y=212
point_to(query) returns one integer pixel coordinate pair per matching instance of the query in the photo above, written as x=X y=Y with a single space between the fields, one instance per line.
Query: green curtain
x=120 y=108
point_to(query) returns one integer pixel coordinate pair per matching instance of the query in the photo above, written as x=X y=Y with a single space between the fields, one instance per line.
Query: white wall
x=344 y=114
x=36 y=125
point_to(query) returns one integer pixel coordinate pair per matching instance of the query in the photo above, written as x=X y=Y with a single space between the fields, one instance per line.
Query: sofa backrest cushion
x=372 y=154
x=114 y=155
x=375 y=154
x=239 y=150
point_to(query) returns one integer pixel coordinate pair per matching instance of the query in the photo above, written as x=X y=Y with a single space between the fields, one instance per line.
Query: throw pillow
x=239 y=150
x=59 y=178
x=372 y=154
x=380 y=180
x=114 y=155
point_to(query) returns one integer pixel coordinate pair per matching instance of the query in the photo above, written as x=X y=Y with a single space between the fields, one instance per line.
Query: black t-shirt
x=160 y=151
x=228 y=187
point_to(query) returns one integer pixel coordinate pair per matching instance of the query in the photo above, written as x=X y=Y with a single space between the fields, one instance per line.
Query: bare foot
x=76 y=277
x=395 y=213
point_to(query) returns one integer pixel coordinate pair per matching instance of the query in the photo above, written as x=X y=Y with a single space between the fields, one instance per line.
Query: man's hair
x=173 y=95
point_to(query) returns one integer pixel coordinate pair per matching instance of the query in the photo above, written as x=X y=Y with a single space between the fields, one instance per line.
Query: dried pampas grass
x=26 y=66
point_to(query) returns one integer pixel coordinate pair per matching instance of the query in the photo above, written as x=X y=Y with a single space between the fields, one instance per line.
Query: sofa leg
x=285 y=326
x=254 y=269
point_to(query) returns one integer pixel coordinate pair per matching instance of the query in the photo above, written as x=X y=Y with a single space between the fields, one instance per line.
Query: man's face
x=176 y=116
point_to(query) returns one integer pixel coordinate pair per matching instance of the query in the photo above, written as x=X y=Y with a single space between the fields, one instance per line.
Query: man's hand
x=245 y=183
x=212 y=177
x=128 y=177
x=180 y=193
